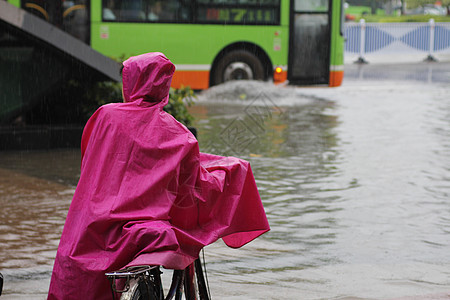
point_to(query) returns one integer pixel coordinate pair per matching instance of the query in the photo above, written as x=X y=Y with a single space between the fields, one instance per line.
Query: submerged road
x=355 y=183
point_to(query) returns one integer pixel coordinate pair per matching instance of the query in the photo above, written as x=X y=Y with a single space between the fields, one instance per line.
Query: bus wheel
x=238 y=65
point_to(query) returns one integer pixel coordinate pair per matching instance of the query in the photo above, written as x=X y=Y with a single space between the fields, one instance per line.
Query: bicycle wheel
x=141 y=288
x=202 y=285
x=195 y=287
x=189 y=282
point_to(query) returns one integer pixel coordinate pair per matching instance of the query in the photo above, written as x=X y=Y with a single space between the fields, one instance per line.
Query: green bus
x=212 y=41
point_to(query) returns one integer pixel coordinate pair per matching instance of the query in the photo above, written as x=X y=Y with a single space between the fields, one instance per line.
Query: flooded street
x=355 y=181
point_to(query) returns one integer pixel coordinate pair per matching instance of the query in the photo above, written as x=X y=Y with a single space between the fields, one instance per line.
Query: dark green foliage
x=179 y=100
x=107 y=92
x=99 y=94
x=75 y=101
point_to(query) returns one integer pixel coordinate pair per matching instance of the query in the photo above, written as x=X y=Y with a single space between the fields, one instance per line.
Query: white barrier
x=427 y=39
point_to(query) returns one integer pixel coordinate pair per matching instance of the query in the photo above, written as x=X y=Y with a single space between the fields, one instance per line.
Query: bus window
x=109 y=10
x=311 y=5
x=263 y=12
x=155 y=11
x=310 y=47
x=169 y=11
x=51 y=11
x=310 y=42
x=76 y=19
x=132 y=10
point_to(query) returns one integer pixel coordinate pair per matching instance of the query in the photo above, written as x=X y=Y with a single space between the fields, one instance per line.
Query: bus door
x=71 y=16
x=309 y=42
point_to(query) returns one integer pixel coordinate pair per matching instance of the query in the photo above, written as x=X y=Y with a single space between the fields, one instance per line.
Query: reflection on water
x=356 y=194
x=354 y=180
x=35 y=193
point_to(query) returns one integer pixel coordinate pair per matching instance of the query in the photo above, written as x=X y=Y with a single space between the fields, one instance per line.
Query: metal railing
x=386 y=38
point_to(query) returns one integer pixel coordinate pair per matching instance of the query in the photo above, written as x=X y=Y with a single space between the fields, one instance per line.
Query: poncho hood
x=147 y=77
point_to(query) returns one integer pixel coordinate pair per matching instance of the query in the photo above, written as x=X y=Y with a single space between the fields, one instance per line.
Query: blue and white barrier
x=402 y=38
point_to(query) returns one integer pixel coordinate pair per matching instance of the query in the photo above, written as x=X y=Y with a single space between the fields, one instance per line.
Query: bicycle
x=144 y=283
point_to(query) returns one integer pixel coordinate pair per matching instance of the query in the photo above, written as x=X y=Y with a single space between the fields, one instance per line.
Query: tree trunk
x=373 y=6
x=403 y=7
x=389 y=8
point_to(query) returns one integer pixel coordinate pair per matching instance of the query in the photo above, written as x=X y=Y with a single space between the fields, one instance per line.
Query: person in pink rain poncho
x=146 y=195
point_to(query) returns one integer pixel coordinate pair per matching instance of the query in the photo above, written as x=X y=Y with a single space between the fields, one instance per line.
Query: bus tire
x=238 y=65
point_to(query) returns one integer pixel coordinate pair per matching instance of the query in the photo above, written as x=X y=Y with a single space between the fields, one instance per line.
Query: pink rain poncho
x=146 y=195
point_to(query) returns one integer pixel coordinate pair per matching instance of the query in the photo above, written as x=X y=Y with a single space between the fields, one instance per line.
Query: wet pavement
x=423 y=72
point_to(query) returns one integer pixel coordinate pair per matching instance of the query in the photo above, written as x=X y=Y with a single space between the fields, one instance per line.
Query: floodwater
x=355 y=181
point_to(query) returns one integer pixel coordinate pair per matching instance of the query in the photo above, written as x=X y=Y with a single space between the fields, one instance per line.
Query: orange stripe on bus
x=73 y=8
x=199 y=80
x=38 y=8
x=336 y=78
x=196 y=80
